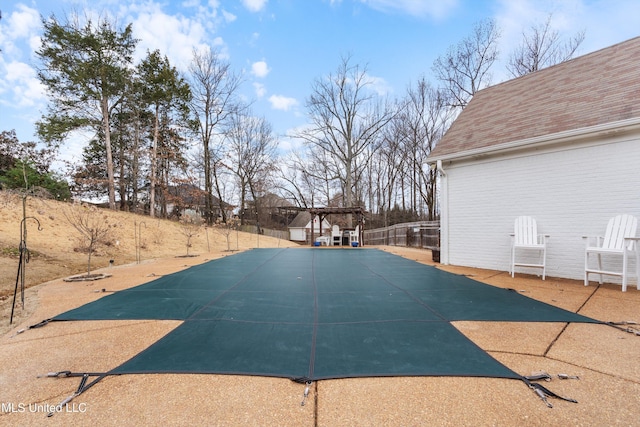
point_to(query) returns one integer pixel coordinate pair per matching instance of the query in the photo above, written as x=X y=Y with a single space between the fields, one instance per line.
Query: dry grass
x=56 y=250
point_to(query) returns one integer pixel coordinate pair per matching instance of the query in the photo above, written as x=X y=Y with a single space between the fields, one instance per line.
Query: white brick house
x=561 y=145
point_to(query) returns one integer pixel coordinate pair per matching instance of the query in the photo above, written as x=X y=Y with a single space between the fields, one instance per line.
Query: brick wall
x=572 y=190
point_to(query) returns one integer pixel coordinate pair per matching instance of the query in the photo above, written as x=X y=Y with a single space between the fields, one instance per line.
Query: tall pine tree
x=85 y=67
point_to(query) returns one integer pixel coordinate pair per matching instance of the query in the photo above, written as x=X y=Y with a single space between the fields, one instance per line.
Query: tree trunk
x=220 y=200
x=207 y=181
x=154 y=155
x=258 y=210
x=107 y=144
x=348 y=184
x=243 y=203
x=122 y=185
x=89 y=259
x=135 y=169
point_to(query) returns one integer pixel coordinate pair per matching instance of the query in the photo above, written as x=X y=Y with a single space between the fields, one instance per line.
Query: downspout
x=444 y=214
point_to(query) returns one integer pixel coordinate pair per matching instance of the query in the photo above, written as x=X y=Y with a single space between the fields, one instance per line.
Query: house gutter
x=606 y=129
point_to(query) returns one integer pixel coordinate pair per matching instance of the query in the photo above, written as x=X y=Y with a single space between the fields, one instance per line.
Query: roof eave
x=608 y=129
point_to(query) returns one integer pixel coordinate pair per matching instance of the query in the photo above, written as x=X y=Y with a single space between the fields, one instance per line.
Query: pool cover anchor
x=541 y=375
x=544 y=393
x=37 y=325
x=60 y=374
x=306 y=392
x=82 y=387
x=629 y=329
x=543 y=397
x=568 y=377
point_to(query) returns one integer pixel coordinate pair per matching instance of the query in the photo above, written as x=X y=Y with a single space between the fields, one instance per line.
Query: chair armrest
x=635 y=241
x=543 y=238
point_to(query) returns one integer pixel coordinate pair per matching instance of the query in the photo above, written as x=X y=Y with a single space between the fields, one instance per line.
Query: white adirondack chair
x=336 y=236
x=619 y=241
x=525 y=238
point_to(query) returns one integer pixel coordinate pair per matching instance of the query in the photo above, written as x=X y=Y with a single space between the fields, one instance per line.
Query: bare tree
x=93 y=227
x=464 y=69
x=423 y=121
x=540 y=48
x=391 y=166
x=345 y=120
x=252 y=146
x=294 y=182
x=214 y=88
x=190 y=227
x=226 y=228
x=326 y=172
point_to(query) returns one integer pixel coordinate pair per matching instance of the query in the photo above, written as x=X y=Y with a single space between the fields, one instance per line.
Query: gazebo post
x=313 y=215
x=361 y=229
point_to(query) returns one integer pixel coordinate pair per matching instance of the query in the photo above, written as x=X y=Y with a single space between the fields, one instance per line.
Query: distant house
x=300 y=227
x=189 y=200
x=561 y=145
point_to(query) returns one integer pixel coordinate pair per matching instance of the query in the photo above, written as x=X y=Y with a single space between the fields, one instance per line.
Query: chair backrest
x=618 y=228
x=525 y=231
x=335 y=230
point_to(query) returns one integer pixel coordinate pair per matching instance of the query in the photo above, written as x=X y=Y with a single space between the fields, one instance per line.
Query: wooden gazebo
x=357 y=211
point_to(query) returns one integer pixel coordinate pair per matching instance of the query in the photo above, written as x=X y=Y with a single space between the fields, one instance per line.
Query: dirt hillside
x=56 y=249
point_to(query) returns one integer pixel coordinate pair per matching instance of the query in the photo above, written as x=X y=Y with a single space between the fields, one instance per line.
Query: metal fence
x=280 y=234
x=422 y=234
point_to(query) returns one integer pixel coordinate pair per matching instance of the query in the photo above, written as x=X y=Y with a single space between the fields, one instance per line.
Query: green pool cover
x=310 y=314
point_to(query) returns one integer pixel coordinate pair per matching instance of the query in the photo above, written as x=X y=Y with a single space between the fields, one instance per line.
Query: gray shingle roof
x=598 y=88
x=301 y=220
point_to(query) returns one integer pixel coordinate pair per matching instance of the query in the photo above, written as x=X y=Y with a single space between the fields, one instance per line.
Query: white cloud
x=253 y=39
x=190 y=3
x=260 y=69
x=379 y=85
x=289 y=142
x=228 y=16
x=174 y=35
x=23 y=82
x=23 y=24
x=19 y=84
x=260 y=90
x=254 y=5
x=279 y=102
x=422 y=8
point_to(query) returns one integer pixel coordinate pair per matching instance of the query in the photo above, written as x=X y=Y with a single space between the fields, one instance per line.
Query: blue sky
x=281 y=46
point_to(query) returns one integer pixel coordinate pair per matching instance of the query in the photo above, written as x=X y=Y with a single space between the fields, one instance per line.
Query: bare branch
x=464 y=70
x=542 y=47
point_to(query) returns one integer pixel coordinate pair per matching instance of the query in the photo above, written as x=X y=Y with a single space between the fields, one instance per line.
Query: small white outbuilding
x=300 y=227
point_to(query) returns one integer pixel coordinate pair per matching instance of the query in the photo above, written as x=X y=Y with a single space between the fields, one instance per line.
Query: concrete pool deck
x=606 y=360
